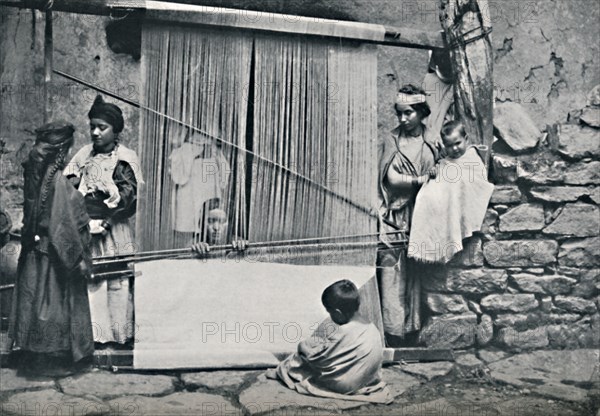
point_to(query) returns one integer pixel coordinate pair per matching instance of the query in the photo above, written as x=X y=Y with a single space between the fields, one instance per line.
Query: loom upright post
x=48 y=49
x=467 y=26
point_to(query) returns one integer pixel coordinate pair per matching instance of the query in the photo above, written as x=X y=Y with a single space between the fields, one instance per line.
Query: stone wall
x=80 y=49
x=531 y=279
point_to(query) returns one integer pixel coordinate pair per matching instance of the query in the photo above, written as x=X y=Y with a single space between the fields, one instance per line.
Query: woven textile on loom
x=283 y=132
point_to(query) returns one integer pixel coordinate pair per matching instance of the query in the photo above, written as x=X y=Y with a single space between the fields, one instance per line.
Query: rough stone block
x=468 y=360
x=471 y=255
x=546 y=372
x=524 y=340
x=489 y=221
x=525 y=217
x=543 y=173
x=106 y=385
x=536 y=270
x=485 y=330
x=590 y=116
x=549 y=285
x=509 y=303
x=428 y=370
x=507 y=194
x=574 y=304
x=476 y=281
x=588 y=284
x=10 y=380
x=527 y=253
x=595 y=195
x=515 y=126
x=504 y=169
x=559 y=193
x=583 y=174
x=442 y=304
x=180 y=403
x=579 y=253
x=526 y=321
x=450 y=331
x=546 y=304
x=510 y=320
x=580 y=334
x=593 y=97
x=491 y=356
x=579 y=220
x=577 y=142
x=225 y=380
x=52 y=402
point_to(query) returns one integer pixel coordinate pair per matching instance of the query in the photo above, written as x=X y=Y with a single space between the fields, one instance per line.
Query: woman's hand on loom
x=239 y=245
x=200 y=249
x=84 y=270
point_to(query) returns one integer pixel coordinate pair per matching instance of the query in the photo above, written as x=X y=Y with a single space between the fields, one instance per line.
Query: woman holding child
x=405 y=160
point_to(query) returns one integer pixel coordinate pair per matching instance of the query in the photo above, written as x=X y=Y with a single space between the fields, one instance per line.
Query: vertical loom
x=294 y=119
x=293 y=122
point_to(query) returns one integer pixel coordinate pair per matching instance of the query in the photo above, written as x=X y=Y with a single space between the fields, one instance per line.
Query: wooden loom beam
x=245 y=19
x=467 y=26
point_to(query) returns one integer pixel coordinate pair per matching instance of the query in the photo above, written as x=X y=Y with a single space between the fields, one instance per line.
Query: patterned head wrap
x=55 y=133
x=107 y=112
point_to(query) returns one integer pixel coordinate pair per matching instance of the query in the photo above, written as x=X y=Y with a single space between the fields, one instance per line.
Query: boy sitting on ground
x=451 y=207
x=343 y=357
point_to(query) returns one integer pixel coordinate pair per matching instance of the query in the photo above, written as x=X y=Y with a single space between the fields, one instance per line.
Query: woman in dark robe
x=405 y=160
x=50 y=314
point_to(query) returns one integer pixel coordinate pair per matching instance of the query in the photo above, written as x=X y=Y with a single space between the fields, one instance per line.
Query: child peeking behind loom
x=451 y=207
x=343 y=358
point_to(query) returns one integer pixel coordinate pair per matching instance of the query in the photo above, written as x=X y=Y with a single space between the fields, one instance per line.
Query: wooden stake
x=467 y=26
x=48 y=49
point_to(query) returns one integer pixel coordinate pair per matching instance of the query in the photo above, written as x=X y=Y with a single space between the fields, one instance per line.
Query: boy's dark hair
x=451 y=127
x=342 y=295
x=421 y=108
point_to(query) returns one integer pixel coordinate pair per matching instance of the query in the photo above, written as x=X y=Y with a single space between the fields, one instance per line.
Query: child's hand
x=201 y=249
x=433 y=172
x=240 y=245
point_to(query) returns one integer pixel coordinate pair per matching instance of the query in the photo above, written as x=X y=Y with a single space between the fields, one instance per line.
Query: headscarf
x=47 y=156
x=410 y=99
x=415 y=97
x=51 y=139
x=56 y=133
x=107 y=112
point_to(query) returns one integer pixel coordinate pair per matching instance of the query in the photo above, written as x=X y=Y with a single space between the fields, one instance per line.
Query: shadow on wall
x=125 y=36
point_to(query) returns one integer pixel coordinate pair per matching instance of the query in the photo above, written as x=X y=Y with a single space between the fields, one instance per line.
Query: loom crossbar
x=245 y=19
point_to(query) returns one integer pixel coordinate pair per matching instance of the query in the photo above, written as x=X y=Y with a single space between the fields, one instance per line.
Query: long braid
x=59 y=163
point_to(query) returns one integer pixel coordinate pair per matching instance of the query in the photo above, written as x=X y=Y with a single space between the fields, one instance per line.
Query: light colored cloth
x=197 y=179
x=338 y=361
x=450 y=208
x=216 y=317
x=96 y=171
x=111 y=301
x=398 y=281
